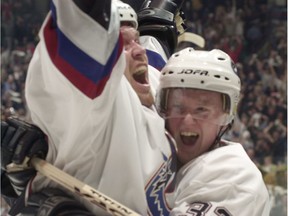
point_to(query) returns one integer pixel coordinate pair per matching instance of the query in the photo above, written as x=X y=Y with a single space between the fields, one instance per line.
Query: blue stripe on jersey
x=53 y=12
x=85 y=73
x=155 y=59
x=82 y=62
x=162 y=182
x=155 y=190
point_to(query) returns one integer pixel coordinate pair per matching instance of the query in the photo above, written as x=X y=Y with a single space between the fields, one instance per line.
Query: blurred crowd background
x=252 y=32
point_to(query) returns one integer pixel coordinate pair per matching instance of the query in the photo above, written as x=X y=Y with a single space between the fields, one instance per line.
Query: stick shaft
x=81 y=189
x=191 y=37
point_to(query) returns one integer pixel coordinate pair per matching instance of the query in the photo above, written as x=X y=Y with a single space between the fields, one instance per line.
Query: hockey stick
x=82 y=189
x=192 y=38
x=76 y=186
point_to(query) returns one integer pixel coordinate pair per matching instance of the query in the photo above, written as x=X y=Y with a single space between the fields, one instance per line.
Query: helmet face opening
x=202 y=105
x=204 y=70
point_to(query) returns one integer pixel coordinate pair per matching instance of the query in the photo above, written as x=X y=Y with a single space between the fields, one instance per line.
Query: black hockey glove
x=19 y=142
x=157 y=18
x=49 y=202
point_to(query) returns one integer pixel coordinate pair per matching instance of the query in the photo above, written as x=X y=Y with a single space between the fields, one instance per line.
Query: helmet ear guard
x=226 y=102
x=205 y=70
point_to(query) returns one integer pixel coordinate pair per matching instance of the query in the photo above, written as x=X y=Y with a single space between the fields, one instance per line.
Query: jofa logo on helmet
x=191 y=71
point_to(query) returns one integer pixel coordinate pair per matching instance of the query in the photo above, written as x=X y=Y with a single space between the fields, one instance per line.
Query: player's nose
x=189 y=119
x=138 y=50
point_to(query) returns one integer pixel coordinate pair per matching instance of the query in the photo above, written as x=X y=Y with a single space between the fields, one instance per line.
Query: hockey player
x=162 y=28
x=198 y=96
x=97 y=128
x=155 y=52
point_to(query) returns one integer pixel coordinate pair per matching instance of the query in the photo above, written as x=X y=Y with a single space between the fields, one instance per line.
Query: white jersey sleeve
x=154 y=76
x=97 y=129
x=223 y=181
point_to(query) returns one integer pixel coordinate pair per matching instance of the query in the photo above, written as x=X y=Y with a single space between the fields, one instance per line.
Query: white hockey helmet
x=206 y=70
x=126 y=13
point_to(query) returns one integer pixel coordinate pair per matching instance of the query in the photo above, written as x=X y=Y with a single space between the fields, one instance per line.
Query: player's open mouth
x=140 y=76
x=141 y=80
x=189 y=138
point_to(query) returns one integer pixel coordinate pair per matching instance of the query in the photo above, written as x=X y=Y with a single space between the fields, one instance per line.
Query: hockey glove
x=157 y=18
x=19 y=142
x=49 y=202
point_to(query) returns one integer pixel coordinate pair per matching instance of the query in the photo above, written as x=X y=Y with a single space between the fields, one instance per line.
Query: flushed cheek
x=209 y=135
x=129 y=64
x=146 y=99
x=173 y=126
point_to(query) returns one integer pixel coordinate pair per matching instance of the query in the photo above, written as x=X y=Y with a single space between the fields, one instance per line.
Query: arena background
x=252 y=32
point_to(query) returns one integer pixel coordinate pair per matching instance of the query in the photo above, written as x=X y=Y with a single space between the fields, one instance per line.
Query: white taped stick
x=81 y=189
x=193 y=38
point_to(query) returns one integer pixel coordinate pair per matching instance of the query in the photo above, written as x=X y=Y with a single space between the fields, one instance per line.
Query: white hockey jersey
x=98 y=131
x=223 y=181
x=155 y=52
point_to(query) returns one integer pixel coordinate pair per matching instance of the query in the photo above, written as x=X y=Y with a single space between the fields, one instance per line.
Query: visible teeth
x=140 y=70
x=189 y=134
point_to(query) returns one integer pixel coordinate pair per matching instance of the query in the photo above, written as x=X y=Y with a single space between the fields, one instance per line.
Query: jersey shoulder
x=226 y=164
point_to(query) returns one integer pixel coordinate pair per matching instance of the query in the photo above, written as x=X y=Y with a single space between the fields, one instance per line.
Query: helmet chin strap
x=222 y=131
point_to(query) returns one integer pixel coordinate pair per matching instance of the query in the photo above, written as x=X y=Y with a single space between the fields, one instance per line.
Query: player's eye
x=201 y=109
